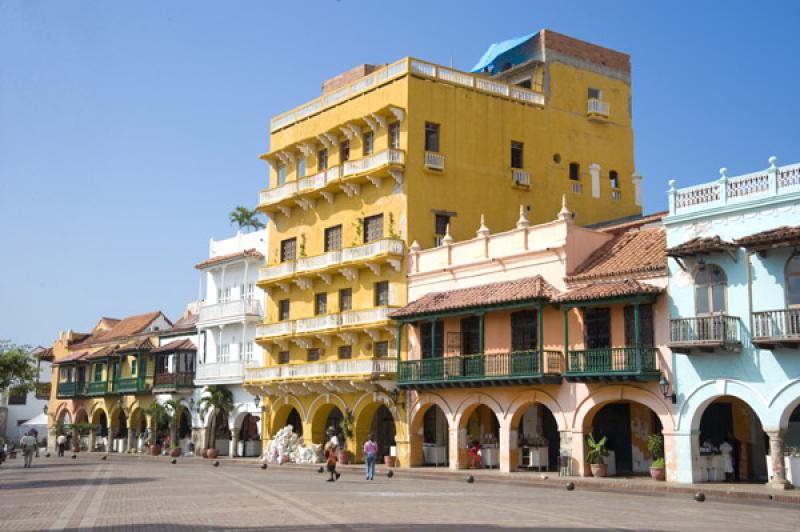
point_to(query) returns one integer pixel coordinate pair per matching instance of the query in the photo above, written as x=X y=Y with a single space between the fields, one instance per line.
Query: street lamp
x=395 y=393
x=256 y=400
x=44 y=409
x=664 y=385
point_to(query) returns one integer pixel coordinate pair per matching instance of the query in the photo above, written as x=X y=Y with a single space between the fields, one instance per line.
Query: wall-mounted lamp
x=256 y=400
x=395 y=394
x=665 y=391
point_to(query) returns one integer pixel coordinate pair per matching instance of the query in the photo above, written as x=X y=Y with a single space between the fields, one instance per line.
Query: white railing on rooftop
x=520 y=177
x=229 y=309
x=401 y=68
x=317 y=323
x=375 y=366
x=434 y=160
x=597 y=107
x=279 y=270
x=378 y=247
x=269 y=330
x=733 y=190
x=359 y=317
x=390 y=156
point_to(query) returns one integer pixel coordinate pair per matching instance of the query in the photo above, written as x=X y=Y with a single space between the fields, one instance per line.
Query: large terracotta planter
x=212 y=453
x=389 y=461
x=344 y=457
x=658 y=473
x=175 y=452
x=155 y=450
x=599 y=470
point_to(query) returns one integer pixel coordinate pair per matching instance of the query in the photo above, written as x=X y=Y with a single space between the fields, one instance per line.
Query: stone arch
x=474 y=400
x=279 y=415
x=318 y=418
x=549 y=423
x=80 y=415
x=782 y=404
x=364 y=411
x=325 y=400
x=705 y=393
x=517 y=408
x=613 y=393
x=424 y=401
x=62 y=412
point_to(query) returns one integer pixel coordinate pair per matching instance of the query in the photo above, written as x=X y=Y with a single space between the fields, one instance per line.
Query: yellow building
x=397 y=154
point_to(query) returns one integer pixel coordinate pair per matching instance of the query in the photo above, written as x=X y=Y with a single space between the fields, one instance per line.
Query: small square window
x=333 y=238
x=283 y=310
x=381 y=349
x=373 y=228
x=345 y=299
x=312 y=355
x=574 y=171
x=288 y=249
x=321 y=303
x=369 y=142
x=283 y=357
x=595 y=94
x=613 y=178
x=345 y=352
x=516 y=154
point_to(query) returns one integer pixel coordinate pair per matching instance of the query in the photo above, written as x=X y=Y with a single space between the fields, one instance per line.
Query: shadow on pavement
x=73 y=482
x=455 y=527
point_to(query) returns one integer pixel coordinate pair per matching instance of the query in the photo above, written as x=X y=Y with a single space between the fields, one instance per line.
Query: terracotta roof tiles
x=177 y=345
x=632 y=252
x=252 y=252
x=607 y=289
x=699 y=246
x=777 y=237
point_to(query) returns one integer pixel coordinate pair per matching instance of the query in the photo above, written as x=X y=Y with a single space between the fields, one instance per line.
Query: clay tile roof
x=629 y=222
x=177 y=345
x=252 y=252
x=606 y=289
x=527 y=288
x=632 y=252
x=781 y=236
x=71 y=357
x=103 y=353
x=700 y=246
x=130 y=326
x=136 y=345
x=45 y=354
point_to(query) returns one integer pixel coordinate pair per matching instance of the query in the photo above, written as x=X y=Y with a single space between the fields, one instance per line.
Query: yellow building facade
x=400 y=156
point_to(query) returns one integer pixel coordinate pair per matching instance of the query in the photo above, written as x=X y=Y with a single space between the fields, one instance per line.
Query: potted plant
x=160 y=416
x=655 y=444
x=596 y=455
x=346 y=427
x=173 y=407
x=216 y=399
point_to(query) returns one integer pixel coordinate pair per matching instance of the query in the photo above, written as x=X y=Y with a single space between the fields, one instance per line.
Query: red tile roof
x=107 y=351
x=779 y=237
x=252 y=252
x=72 y=357
x=177 y=345
x=607 y=289
x=700 y=246
x=528 y=288
x=641 y=252
x=130 y=326
x=628 y=223
x=136 y=345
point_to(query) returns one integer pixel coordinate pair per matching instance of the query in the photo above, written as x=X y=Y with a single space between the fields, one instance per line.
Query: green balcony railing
x=489 y=368
x=98 y=388
x=126 y=385
x=612 y=361
x=65 y=390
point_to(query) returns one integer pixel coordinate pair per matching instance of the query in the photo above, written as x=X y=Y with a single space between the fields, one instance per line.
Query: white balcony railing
x=324 y=369
x=520 y=177
x=372 y=249
x=597 y=107
x=360 y=317
x=229 y=309
x=232 y=370
x=434 y=160
x=319 y=180
x=279 y=270
x=577 y=187
x=268 y=330
x=317 y=262
x=318 y=323
x=390 y=156
x=276 y=194
x=616 y=195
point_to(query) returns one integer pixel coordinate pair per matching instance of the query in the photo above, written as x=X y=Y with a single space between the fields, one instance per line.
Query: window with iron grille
x=344 y=151
x=281 y=174
x=98 y=372
x=162 y=366
x=345 y=299
x=574 y=171
x=646 y=330
x=321 y=303
x=322 y=160
x=523 y=330
x=333 y=238
x=381 y=349
x=283 y=310
x=594 y=94
x=597 y=328
x=283 y=357
x=516 y=154
x=288 y=249
x=394 y=135
x=425 y=331
x=431 y=137
x=312 y=355
x=613 y=178
x=17 y=398
x=373 y=228
x=345 y=352
x=470 y=335
x=369 y=142
x=381 y=293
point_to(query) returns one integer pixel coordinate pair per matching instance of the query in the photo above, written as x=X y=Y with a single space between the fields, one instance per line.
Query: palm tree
x=217 y=399
x=160 y=416
x=245 y=218
x=173 y=407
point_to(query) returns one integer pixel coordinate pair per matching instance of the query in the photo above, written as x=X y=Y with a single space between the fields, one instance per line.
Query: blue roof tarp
x=499 y=48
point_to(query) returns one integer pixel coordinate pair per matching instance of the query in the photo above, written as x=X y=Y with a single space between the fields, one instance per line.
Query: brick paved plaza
x=129 y=493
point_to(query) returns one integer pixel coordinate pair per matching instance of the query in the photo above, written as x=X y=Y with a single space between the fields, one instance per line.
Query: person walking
x=330 y=459
x=370 y=456
x=28 y=444
x=62 y=442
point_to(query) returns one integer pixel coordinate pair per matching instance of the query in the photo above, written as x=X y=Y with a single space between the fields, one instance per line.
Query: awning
x=498 y=48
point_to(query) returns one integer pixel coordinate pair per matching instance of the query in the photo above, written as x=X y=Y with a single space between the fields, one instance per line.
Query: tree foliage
x=216 y=399
x=246 y=219
x=18 y=372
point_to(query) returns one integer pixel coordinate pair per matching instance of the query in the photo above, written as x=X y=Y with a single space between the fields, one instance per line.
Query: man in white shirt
x=28 y=444
x=62 y=442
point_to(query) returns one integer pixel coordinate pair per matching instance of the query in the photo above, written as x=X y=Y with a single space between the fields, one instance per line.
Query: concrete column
x=92 y=436
x=455 y=439
x=776 y=448
x=670 y=456
x=403 y=458
x=131 y=439
x=509 y=451
x=234 y=443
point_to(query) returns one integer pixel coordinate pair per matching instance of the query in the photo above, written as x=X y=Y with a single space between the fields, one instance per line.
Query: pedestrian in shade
x=28 y=444
x=370 y=456
x=330 y=459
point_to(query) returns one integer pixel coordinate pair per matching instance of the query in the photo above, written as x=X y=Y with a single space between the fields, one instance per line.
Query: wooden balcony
x=488 y=369
x=707 y=333
x=65 y=390
x=612 y=364
x=170 y=382
x=130 y=385
x=97 y=388
x=774 y=328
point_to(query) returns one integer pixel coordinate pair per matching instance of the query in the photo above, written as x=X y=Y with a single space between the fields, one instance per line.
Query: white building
x=231 y=306
x=19 y=410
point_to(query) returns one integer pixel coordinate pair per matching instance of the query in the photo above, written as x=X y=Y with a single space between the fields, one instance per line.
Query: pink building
x=529 y=340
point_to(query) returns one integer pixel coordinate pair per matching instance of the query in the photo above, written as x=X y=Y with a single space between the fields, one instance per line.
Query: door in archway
x=293 y=419
x=729 y=419
x=333 y=425
x=614 y=422
x=384 y=431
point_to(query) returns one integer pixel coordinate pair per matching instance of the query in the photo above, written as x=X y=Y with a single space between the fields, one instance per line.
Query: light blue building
x=734 y=288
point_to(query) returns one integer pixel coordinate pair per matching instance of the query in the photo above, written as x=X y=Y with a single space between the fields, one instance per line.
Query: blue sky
x=129 y=129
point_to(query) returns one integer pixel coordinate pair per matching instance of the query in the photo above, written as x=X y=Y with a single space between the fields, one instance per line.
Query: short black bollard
x=390 y=474
x=47 y=455
x=74 y=456
x=570 y=486
x=173 y=461
x=321 y=469
x=263 y=466
x=700 y=496
x=216 y=463
x=104 y=457
x=470 y=479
